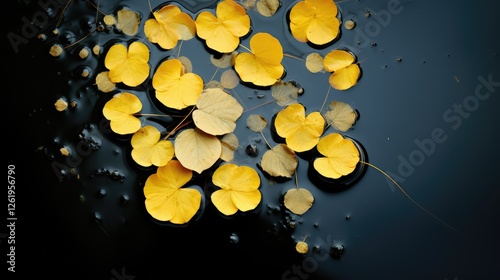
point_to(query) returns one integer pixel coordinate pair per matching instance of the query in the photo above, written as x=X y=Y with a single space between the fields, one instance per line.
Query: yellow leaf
x=175 y=88
x=341 y=116
x=120 y=111
x=222 y=31
x=302 y=247
x=61 y=105
x=285 y=93
x=298 y=200
x=216 y=112
x=280 y=161
x=340 y=156
x=148 y=149
x=256 y=122
x=168 y=26
x=229 y=79
x=166 y=200
x=314 y=63
x=268 y=8
x=197 y=150
x=128 y=21
x=346 y=72
x=109 y=19
x=314 y=21
x=300 y=132
x=239 y=189
x=263 y=66
x=103 y=82
x=229 y=144
x=129 y=66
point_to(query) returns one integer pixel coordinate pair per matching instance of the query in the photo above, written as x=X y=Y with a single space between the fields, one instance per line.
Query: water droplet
x=373 y=44
x=234 y=238
x=399 y=59
x=115 y=175
x=347 y=217
x=124 y=200
x=336 y=251
x=261 y=96
x=81 y=198
x=316 y=225
x=252 y=150
x=316 y=249
x=97 y=217
x=101 y=193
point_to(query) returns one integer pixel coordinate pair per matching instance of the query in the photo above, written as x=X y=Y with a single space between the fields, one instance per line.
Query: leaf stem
x=245 y=48
x=326 y=97
x=265 y=140
x=180 y=123
x=293 y=56
x=151 y=115
x=407 y=195
x=255 y=107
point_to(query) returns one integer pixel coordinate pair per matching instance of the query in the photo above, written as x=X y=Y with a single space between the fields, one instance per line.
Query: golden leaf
x=148 y=149
x=263 y=66
x=314 y=21
x=301 y=132
x=280 y=161
x=103 y=82
x=298 y=200
x=346 y=72
x=128 y=21
x=175 y=88
x=340 y=156
x=285 y=93
x=229 y=144
x=239 y=189
x=61 y=104
x=314 y=63
x=168 y=26
x=197 y=150
x=341 y=116
x=256 y=122
x=120 y=111
x=129 y=66
x=222 y=31
x=166 y=199
x=302 y=247
x=216 y=112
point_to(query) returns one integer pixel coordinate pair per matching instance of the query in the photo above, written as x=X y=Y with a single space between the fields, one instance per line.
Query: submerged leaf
x=128 y=21
x=222 y=31
x=216 y=112
x=229 y=79
x=197 y=150
x=148 y=149
x=166 y=199
x=256 y=122
x=280 y=161
x=340 y=156
x=341 y=116
x=301 y=132
x=346 y=72
x=239 y=189
x=268 y=8
x=285 y=93
x=120 y=111
x=168 y=26
x=263 y=66
x=298 y=200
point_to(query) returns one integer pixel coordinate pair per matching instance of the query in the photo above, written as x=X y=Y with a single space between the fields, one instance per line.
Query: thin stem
x=293 y=56
x=245 y=48
x=151 y=115
x=255 y=107
x=59 y=19
x=407 y=195
x=265 y=140
x=296 y=180
x=180 y=123
x=326 y=97
x=96 y=7
x=79 y=40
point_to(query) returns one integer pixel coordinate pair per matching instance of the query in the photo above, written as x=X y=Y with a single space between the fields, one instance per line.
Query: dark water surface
x=428 y=103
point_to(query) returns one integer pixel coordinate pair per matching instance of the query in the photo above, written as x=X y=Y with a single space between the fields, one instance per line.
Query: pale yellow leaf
x=298 y=200
x=301 y=247
x=103 y=82
x=186 y=64
x=256 y=122
x=128 y=21
x=314 y=63
x=268 y=8
x=229 y=144
x=61 y=105
x=229 y=79
x=197 y=150
x=226 y=60
x=285 y=93
x=341 y=116
x=280 y=161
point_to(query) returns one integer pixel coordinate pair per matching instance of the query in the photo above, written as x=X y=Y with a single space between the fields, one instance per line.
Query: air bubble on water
x=116 y=152
x=316 y=225
x=124 y=200
x=101 y=193
x=316 y=249
x=234 y=238
x=399 y=59
x=97 y=217
x=336 y=251
x=115 y=175
x=348 y=217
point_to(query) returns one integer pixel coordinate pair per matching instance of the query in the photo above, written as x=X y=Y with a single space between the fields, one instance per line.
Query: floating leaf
x=175 y=88
x=229 y=79
x=148 y=149
x=302 y=247
x=285 y=93
x=61 y=104
x=268 y=8
x=166 y=199
x=263 y=66
x=186 y=64
x=300 y=132
x=103 y=82
x=120 y=111
x=340 y=156
x=197 y=150
x=128 y=21
x=298 y=200
x=216 y=112
x=341 y=116
x=280 y=161
x=314 y=63
x=109 y=20
x=168 y=26
x=256 y=122
x=229 y=144
x=225 y=60
x=239 y=189
x=129 y=66
x=314 y=21
x=222 y=32
x=346 y=72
